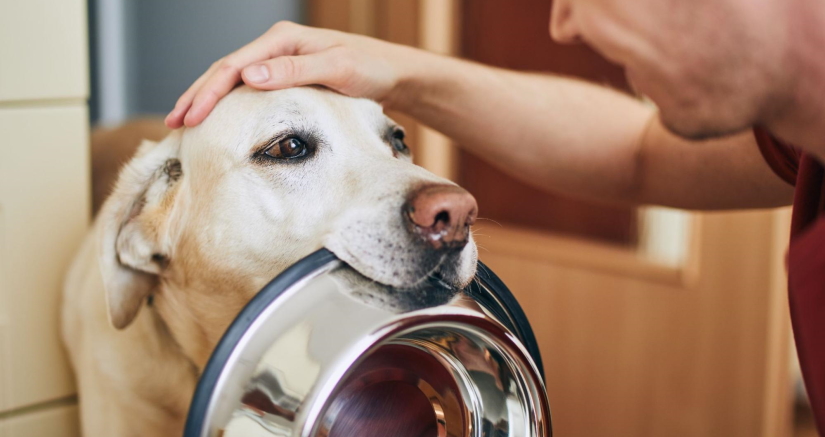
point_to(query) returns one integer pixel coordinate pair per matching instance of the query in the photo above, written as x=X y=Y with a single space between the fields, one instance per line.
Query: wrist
x=419 y=75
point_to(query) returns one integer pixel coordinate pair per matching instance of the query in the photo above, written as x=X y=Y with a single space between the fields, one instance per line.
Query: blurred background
x=143 y=54
x=651 y=321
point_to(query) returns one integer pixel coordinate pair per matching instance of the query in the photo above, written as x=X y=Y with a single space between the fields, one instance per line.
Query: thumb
x=291 y=71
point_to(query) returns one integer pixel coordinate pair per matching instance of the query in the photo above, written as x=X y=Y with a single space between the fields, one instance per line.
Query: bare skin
x=714 y=68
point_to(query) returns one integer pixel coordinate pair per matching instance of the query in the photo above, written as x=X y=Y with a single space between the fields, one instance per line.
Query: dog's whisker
x=477 y=282
x=477 y=232
x=430 y=273
x=490 y=220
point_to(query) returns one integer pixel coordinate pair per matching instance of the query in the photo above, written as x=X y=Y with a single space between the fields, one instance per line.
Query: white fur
x=203 y=242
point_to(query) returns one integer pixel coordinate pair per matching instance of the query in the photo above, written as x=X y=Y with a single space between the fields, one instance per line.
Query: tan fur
x=199 y=225
x=113 y=147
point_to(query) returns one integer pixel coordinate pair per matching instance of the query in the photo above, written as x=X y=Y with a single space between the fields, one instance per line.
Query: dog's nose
x=441 y=215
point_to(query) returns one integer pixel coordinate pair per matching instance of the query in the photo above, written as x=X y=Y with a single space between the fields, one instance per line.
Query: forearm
x=573 y=137
x=557 y=133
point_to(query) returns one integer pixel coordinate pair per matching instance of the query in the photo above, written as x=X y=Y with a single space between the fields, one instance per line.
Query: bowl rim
x=487 y=289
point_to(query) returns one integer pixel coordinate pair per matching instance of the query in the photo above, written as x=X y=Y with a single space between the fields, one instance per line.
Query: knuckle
x=209 y=94
x=288 y=67
x=283 y=25
x=228 y=67
x=347 y=70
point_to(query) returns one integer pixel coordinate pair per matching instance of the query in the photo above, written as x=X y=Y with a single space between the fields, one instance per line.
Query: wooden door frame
x=428 y=24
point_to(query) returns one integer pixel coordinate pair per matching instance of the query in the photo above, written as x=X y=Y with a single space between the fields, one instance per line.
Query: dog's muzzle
x=323 y=352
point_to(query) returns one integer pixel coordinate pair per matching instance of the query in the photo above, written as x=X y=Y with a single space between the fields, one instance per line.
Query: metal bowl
x=322 y=351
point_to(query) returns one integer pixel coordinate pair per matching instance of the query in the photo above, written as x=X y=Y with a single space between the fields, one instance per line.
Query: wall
x=146 y=53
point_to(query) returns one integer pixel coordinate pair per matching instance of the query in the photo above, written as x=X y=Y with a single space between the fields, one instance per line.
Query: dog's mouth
x=429 y=270
x=432 y=290
x=444 y=274
x=437 y=278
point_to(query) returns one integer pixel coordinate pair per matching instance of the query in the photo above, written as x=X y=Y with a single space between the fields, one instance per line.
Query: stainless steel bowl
x=322 y=351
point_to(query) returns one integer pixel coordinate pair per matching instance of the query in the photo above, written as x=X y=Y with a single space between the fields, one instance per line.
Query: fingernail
x=256 y=73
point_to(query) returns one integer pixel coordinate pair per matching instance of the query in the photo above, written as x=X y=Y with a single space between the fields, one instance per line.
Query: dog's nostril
x=442 y=217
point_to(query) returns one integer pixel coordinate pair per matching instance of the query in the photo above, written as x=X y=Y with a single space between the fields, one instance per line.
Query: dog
x=112 y=147
x=200 y=221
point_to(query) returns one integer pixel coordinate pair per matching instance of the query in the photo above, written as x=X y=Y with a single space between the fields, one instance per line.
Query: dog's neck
x=170 y=344
x=160 y=383
x=191 y=320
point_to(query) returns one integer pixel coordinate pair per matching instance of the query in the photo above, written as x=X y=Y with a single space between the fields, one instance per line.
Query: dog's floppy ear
x=134 y=241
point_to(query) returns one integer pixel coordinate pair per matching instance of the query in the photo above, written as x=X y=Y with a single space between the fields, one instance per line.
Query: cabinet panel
x=43 y=49
x=44 y=199
x=53 y=422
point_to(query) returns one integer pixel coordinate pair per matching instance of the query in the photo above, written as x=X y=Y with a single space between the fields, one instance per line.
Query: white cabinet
x=44 y=199
x=43 y=50
x=59 y=421
x=44 y=205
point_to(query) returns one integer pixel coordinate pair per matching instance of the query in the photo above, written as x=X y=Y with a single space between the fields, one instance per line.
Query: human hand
x=289 y=55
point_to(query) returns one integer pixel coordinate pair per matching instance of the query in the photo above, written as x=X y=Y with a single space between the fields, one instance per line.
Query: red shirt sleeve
x=782 y=158
x=806 y=261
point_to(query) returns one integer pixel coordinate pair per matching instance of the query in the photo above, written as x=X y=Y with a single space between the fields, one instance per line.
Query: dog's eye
x=287 y=148
x=398 y=142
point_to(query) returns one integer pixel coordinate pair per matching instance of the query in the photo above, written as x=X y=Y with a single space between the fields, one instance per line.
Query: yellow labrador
x=200 y=221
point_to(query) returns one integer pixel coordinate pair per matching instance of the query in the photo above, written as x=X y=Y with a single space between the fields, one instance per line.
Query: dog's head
x=200 y=221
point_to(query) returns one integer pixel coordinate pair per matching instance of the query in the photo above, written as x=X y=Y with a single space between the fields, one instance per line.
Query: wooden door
x=515 y=35
x=631 y=347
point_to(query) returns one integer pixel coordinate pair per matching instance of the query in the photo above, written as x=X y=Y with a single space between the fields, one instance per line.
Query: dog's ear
x=134 y=241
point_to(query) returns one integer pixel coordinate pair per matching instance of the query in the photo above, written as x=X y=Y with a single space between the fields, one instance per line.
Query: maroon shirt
x=806 y=261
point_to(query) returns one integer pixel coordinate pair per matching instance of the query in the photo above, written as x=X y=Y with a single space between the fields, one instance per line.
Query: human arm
x=557 y=133
x=570 y=136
